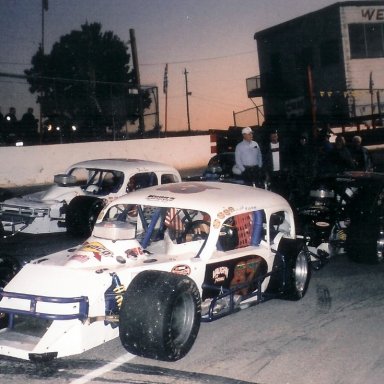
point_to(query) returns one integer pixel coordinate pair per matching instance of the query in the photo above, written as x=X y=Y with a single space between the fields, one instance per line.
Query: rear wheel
x=365 y=243
x=160 y=315
x=299 y=277
x=298 y=272
x=81 y=215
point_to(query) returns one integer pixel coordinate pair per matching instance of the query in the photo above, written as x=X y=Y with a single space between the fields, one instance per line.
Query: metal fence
x=249 y=117
x=76 y=110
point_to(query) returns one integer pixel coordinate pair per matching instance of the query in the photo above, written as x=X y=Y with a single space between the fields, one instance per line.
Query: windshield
x=98 y=181
x=153 y=224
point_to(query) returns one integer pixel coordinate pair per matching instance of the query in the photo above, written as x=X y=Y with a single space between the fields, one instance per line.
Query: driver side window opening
x=141 y=180
x=278 y=223
x=98 y=181
x=111 y=182
x=241 y=231
x=184 y=225
x=81 y=175
x=168 y=179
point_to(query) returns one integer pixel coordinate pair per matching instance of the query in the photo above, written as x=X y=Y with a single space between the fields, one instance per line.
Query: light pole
x=187 y=94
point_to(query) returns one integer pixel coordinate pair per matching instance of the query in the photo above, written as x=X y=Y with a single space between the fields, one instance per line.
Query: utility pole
x=371 y=84
x=187 y=94
x=44 y=8
x=137 y=75
x=379 y=108
x=165 y=90
x=312 y=102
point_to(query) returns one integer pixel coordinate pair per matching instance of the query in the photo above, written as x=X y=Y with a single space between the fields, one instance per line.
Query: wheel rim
x=301 y=272
x=182 y=319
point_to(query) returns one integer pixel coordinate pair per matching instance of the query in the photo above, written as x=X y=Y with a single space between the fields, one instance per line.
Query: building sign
x=355 y=14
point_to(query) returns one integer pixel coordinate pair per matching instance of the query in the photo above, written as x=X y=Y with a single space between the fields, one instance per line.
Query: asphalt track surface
x=333 y=335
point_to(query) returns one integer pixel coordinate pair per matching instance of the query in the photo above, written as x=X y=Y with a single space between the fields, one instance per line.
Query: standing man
x=28 y=125
x=361 y=156
x=248 y=159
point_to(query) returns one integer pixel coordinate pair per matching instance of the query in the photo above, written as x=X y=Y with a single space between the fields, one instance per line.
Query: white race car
x=78 y=196
x=160 y=260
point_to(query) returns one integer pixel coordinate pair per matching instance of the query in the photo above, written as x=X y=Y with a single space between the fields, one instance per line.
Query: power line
x=201 y=59
x=169 y=62
x=214 y=101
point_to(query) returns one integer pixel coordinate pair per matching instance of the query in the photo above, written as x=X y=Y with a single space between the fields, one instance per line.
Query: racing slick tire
x=298 y=271
x=81 y=215
x=365 y=242
x=160 y=315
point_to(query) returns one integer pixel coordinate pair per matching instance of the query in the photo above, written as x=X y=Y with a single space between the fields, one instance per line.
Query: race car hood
x=28 y=201
x=43 y=199
x=53 y=281
x=97 y=254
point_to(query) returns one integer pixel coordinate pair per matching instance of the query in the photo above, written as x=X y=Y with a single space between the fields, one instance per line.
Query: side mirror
x=64 y=180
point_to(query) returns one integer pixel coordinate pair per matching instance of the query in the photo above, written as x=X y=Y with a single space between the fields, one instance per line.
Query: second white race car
x=73 y=203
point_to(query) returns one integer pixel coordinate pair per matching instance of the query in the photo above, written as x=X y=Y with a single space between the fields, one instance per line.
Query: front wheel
x=160 y=315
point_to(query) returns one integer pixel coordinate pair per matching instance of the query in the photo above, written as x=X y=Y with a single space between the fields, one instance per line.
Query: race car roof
x=210 y=197
x=124 y=164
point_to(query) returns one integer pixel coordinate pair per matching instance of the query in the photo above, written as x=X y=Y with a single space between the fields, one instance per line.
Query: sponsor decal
x=238 y=274
x=182 y=269
x=134 y=252
x=159 y=198
x=226 y=212
x=79 y=258
x=245 y=271
x=97 y=249
x=220 y=274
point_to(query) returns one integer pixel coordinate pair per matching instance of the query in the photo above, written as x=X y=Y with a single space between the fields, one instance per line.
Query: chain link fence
x=75 y=111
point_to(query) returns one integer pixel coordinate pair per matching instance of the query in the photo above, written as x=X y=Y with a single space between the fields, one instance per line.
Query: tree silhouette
x=86 y=80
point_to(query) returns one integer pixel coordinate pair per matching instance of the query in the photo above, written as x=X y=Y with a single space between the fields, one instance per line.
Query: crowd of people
x=13 y=130
x=290 y=169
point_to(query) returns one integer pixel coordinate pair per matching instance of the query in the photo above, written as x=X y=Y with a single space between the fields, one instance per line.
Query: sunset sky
x=211 y=39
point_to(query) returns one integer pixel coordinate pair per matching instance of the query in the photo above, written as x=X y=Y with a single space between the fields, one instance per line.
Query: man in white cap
x=248 y=159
